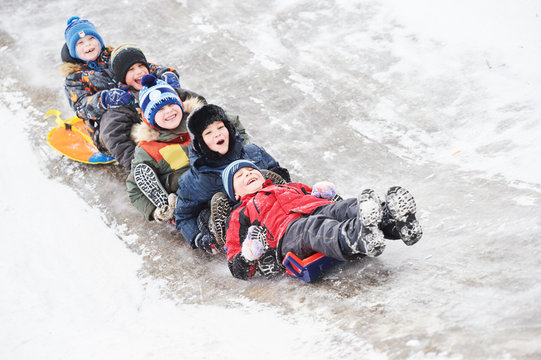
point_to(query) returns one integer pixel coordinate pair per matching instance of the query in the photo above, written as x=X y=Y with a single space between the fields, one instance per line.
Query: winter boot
x=147 y=181
x=276 y=179
x=220 y=208
x=399 y=216
x=362 y=235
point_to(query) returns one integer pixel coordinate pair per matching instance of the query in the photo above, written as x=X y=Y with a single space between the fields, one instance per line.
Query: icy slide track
x=440 y=99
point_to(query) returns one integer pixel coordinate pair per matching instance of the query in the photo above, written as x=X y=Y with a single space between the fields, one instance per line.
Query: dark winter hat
x=198 y=121
x=123 y=57
x=79 y=28
x=229 y=172
x=154 y=95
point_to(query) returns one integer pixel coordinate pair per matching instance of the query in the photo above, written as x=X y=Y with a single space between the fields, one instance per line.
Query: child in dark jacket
x=215 y=144
x=272 y=220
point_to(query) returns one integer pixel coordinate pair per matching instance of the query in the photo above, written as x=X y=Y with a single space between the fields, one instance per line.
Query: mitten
x=115 y=97
x=171 y=79
x=252 y=247
x=206 y=243
x=324 y=190
x=165 y=213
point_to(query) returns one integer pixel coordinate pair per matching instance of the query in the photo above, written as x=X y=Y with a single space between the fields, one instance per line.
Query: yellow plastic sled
x=71 y=139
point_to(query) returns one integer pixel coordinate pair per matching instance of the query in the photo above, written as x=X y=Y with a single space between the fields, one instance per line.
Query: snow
x=441 y=96
x=70 y=289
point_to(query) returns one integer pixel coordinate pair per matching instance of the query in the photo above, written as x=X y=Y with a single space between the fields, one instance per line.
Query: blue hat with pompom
x=79 y=28
x=154 y=95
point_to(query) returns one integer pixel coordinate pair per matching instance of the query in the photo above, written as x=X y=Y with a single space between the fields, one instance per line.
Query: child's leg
x=336 y=230
x=311 y=234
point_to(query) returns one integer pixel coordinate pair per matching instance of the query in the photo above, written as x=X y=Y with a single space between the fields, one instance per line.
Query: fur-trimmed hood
x=71 y=65
x=143 y=132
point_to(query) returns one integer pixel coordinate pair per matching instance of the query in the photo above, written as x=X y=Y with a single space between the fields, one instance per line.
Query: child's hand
x=165 y=213
x=324 y=189
x=171 y=79
x=252 y=247
x=115 y=97
x=207 y=243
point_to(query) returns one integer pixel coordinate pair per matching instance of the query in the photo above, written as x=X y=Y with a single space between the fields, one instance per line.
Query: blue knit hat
x=154 y=95
x=229 y=172
x=78 y=28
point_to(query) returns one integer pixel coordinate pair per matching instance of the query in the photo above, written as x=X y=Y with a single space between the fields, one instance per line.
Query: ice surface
x=439 y=97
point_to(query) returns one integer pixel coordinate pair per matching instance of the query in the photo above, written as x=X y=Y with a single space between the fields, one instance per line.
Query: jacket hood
x=143 y=132
x=71 y=65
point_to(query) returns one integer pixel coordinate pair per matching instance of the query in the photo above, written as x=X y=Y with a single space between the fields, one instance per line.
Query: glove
x=252 y=247
x=164 y=213
x=324 y=190
x=115 y=97
x=206 y=243
x=171 y=79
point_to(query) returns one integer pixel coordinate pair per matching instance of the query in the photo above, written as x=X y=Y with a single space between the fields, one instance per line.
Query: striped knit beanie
x=154 y=95
x=229 y=172
x=79 y=28
x=123 y=57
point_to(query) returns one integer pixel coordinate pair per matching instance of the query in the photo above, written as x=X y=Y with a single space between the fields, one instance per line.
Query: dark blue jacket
x=204 y=179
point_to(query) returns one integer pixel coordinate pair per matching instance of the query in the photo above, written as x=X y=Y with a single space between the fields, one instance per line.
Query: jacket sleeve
x=235 y=120
x=192 y=198
x=115 y=130
x=85 y=102
x=273 y=165
x=237 y=228
x=159 y=70
x=137 y=198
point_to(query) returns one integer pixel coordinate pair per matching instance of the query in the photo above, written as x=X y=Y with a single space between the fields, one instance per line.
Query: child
x=129 y=65
x=215 y=144
x=272 y=220
x=89 y=83
x=160 y=157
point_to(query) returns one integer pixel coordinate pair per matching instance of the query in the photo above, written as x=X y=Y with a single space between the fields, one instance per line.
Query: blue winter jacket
x=204 y=179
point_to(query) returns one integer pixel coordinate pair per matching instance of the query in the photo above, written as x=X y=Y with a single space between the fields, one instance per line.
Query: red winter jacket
x=274 y=207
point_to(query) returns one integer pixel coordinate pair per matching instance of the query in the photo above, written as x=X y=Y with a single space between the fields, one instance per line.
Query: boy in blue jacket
x=215 y=144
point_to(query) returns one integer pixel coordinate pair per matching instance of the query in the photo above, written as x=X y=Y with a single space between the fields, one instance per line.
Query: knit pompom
x=148 y=80
x=72 y=19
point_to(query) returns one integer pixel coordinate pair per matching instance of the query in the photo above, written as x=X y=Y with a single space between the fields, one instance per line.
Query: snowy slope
x=440 y=97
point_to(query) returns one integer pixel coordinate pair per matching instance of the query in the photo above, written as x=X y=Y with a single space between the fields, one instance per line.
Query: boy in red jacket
x=272 y=220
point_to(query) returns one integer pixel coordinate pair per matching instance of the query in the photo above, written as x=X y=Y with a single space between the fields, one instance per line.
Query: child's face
x=247 y=181
x=88 y=48
x=216 y=136
x=135 y=74
x=169 y=116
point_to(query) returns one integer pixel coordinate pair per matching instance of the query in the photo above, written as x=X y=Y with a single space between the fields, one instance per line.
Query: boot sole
x=220 y=208
x=148 y=183
x=402 y=207
x=370 y=214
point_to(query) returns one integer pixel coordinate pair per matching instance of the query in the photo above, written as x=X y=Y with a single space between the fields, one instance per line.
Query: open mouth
x=90 y=50
x=220 y=142
x=251 y=180
x=171 y=117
